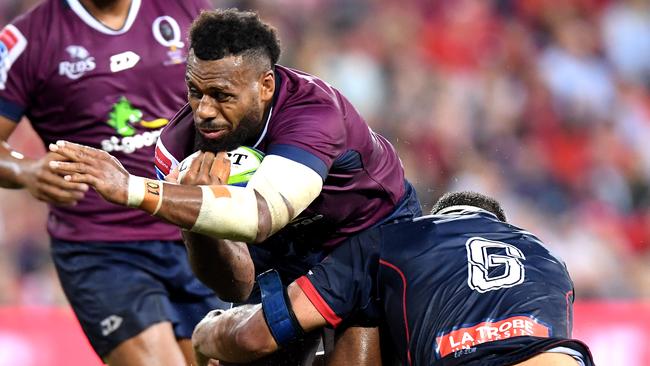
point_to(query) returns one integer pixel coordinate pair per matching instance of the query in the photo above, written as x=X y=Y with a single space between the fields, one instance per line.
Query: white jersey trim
x=266 y=127
x=92 y=22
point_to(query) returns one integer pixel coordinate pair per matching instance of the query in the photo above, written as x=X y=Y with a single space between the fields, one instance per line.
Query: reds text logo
x=80 y=63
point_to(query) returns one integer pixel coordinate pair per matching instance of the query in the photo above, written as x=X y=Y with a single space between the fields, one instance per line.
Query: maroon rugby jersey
x=76 y=79
x=313 y=124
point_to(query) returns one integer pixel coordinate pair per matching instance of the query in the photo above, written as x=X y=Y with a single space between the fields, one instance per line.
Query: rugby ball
x=244 y=161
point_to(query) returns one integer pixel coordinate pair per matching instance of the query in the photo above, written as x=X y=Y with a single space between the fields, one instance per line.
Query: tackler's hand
x=207 y=169
x=202 y=340
x=93 y=167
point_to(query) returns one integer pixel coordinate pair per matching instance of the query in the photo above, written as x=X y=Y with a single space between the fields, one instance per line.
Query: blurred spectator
x=543 y=104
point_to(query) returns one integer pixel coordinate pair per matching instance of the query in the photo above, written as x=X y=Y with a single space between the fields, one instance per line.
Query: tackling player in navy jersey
x=463 y=287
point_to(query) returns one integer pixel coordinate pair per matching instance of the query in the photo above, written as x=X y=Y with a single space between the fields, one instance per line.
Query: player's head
x=468 y=198
x=230 y=77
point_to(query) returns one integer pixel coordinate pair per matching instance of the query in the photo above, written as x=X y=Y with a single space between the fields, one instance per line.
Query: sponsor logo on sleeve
x=489 y=331
x=79 y=63
x=12 y=45
x=164 y=161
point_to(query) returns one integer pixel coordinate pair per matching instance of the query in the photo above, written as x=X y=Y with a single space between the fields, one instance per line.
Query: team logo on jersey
x=168 y=33
x=12 y=45
x=80 y=62
x=123 y=117
x=489 y=331
x=124 y=61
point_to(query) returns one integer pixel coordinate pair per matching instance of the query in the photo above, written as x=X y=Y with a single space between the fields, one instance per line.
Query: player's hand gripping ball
x=244 y=161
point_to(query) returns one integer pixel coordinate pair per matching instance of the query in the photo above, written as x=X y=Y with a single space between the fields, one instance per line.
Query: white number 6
x=480 y=262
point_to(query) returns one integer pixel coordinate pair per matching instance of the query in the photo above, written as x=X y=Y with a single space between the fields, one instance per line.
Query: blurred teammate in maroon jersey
x=108 y=74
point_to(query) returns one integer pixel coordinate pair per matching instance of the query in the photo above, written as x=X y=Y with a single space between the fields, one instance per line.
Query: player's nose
x=208 y=109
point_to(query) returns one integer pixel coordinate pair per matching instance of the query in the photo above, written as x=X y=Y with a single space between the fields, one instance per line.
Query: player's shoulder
x=177 y=136
x=306 y=106
x=301 y=90
x=39 y=17
x=181 y=120
x=180 y=124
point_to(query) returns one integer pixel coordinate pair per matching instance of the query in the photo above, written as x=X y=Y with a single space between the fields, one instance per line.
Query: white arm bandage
x=231 y=212
x=228 y=213
x=279 y=177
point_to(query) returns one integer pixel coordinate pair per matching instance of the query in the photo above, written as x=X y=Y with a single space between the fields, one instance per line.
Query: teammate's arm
x=279 y=190
x=242 y=334
x=36 y=176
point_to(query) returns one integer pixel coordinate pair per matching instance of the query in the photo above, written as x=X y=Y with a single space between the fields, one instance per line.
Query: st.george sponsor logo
x=80 y=63
x=123 y=118
x=488 y=332
x=130 y=144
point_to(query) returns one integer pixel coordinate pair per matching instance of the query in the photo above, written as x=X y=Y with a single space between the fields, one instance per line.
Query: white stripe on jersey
x=92 y=22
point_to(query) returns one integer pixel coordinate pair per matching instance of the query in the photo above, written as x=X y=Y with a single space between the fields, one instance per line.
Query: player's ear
x=267 y=84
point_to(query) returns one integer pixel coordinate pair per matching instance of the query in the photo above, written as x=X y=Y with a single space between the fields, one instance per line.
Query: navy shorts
x=118 y=289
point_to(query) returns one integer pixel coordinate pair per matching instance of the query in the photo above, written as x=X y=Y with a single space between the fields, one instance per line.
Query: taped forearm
x=287 y=187
x=218 y=211
x=279 y=191
x=228 y=212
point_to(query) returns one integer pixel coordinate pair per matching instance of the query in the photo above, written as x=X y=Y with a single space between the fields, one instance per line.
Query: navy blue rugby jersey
x=446 y=284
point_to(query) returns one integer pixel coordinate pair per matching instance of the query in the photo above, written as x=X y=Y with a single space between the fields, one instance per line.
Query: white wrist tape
x=136 y=191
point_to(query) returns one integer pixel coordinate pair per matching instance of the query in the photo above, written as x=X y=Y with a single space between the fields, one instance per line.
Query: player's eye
x=194 y=93
x=222 y=97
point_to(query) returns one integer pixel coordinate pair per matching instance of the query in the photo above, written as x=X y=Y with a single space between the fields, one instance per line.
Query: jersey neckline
x=94 y=23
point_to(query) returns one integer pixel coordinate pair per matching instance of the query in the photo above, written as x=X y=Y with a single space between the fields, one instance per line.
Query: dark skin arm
x=241 y=334
x=35 y=175
x=223 y=265
x=180 y=203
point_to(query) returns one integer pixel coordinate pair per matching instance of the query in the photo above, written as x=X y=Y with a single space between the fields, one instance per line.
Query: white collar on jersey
x=92 y=22
x=266 y=127
x=461 y=210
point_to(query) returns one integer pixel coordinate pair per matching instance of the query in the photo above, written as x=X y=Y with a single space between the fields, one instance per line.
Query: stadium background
x=543 y=104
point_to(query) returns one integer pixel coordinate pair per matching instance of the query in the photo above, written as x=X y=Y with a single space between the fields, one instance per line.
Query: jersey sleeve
x=16 y=76
x=313 y=136
x=175 y=143
x=342 y=285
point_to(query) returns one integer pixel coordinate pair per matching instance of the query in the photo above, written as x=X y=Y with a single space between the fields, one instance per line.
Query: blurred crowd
x=543 y=104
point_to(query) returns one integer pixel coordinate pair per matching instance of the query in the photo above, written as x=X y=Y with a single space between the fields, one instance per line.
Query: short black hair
x=468 y=198
x=216 y=34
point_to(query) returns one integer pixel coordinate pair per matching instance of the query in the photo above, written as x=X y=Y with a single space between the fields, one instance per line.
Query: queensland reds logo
x=167 y=32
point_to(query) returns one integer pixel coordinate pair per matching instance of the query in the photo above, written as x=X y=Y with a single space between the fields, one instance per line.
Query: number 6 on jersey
x=484 y=256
